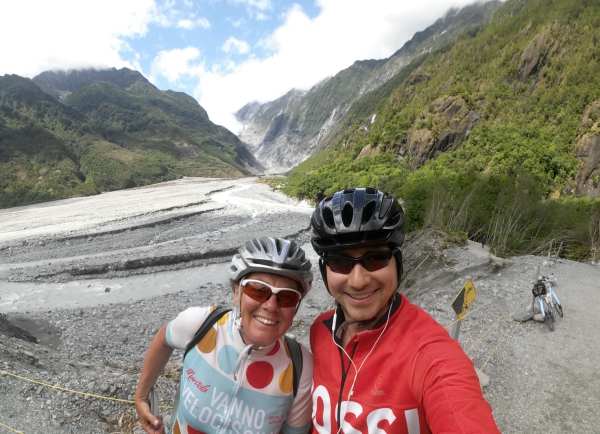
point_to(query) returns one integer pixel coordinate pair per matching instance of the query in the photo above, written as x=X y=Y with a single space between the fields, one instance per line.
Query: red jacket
x=417 y=379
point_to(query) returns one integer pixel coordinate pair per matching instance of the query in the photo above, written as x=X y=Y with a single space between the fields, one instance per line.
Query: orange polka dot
x=286 y=379
x=259 y=374
x=208 y=342
x=223 y=320
x=176 y=429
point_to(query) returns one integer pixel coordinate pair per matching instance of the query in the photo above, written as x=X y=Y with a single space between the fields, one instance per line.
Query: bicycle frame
x=548 y=303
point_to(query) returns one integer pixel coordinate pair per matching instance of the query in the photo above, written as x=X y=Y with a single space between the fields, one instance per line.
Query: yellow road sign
x=464 y=299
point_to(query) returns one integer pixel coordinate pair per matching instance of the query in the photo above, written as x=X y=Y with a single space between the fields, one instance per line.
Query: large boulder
x=535 y=54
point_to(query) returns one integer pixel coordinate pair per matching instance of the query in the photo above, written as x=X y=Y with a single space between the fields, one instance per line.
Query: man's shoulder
x=416 y=321
x=321 y=324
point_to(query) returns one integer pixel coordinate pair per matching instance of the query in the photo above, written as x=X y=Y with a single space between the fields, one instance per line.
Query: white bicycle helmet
x=275 y=256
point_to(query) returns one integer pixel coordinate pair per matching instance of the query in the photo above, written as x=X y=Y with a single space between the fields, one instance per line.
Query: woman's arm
x=156 y=358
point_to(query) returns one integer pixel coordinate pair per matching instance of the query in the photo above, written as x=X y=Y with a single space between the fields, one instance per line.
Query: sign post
x=461 y=304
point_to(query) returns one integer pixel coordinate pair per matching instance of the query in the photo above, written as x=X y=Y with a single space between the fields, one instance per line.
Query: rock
x=588 y=177
x=497 y=263
x=368 y=151
x=534 y=55
x=442 y=126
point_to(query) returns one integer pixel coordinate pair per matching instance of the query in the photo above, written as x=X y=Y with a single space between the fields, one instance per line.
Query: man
x=382 y=364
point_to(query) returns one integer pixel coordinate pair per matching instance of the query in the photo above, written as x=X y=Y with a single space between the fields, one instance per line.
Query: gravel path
x=92 y=328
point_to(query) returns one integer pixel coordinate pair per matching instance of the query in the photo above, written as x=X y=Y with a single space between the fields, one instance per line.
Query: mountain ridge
x=86 y=131
x=495 y=136
x=305 y=125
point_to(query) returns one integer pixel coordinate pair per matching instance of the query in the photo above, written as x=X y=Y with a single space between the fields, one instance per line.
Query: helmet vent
x=347 y=214
x=278 y=245
x=368 y=212
x=328 y=217
x=253 y=246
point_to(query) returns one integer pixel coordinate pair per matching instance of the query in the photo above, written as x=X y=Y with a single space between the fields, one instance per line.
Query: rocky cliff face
x=288 y=130
x=449 y=121
x=588 y=152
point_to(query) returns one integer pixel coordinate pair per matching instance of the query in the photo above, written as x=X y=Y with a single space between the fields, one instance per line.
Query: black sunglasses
x=370 y=261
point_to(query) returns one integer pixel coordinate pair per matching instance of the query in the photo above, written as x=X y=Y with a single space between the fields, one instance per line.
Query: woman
x=238 y=378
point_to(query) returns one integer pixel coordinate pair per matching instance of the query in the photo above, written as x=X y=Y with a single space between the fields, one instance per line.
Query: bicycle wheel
x=549 y=316
x=559 y=309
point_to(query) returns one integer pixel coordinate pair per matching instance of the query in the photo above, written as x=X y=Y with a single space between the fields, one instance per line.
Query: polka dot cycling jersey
x=228 y=387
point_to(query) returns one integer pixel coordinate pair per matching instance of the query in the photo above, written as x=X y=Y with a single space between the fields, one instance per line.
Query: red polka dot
x=274 y=350
x=259 y=374
x=192 y=430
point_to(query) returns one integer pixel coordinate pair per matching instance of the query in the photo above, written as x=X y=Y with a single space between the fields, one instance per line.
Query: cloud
x=234 y=44
x=257 y=9
x=237 y=23
x=189 y=24
x=176 y=64
x=304 y=50
x=261 y=5
x=38 y=36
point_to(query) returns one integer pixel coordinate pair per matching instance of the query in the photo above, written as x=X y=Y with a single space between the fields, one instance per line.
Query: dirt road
x=540 y=381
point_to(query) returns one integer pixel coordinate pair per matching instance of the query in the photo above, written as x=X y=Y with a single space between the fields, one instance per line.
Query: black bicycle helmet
x=272 y=255
x=357 y=217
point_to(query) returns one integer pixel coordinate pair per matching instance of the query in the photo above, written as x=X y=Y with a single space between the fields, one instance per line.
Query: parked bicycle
x=545 y=300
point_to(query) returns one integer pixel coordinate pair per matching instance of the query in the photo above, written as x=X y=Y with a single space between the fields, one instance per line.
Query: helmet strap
x=323 y=270
x=398 y=255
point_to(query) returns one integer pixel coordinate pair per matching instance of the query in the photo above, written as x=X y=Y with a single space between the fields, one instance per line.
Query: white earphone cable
x=351 y=391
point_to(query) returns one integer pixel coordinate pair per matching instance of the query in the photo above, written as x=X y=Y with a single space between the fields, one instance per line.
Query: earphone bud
x=333 y=324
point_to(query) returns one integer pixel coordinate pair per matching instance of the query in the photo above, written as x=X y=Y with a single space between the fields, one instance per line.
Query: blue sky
x=225 y=53
x=208 y=25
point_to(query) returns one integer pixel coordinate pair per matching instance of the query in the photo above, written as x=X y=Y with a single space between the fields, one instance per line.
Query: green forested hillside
x=289 y=129
x=495 y=136
x=82 y=132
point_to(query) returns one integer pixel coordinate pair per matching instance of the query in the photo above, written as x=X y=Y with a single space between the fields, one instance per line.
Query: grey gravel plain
x=85 y=283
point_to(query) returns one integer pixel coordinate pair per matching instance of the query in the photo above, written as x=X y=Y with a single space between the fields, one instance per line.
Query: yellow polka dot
x=208 y=342
x=223 y=319
x=286 y=379
x=176 y=429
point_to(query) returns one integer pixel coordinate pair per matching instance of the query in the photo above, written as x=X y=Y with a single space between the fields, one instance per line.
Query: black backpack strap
x=296 y=356
x=210 y=320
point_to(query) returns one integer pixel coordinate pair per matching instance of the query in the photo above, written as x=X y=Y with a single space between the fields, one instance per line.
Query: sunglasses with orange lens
x=261 y=291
